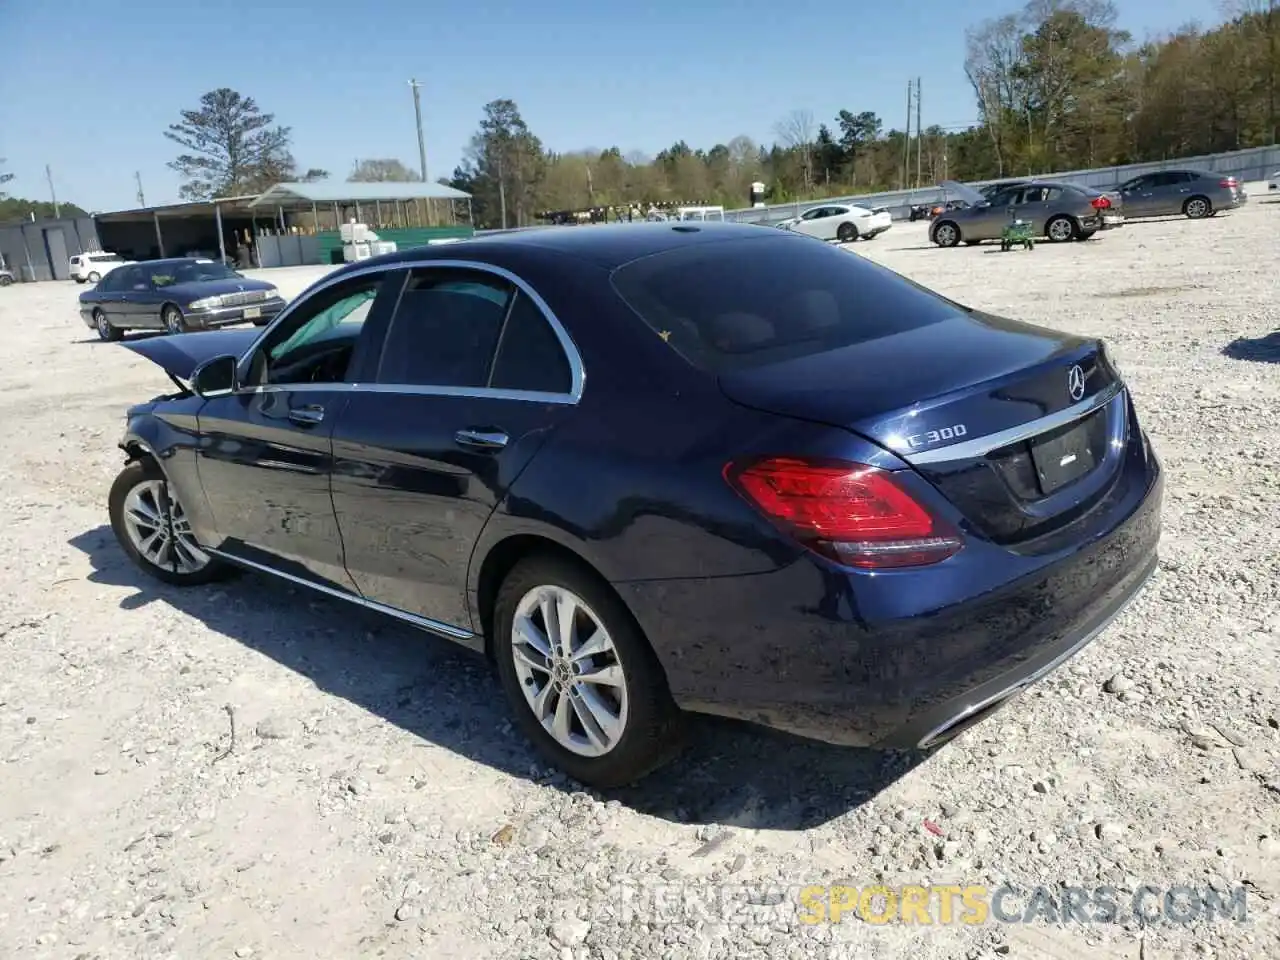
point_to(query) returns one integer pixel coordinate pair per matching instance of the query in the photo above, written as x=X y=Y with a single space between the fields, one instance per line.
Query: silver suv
x=1192 y=193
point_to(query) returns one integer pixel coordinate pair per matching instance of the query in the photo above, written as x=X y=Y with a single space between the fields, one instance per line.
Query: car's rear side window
x=530 y=356
x=445 y=329
x=742 y=303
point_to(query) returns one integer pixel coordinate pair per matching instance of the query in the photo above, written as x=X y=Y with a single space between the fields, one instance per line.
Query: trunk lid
x=1013 y=423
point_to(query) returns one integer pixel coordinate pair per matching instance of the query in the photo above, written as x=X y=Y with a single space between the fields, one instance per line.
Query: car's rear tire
x=1060 y=229
x=946 y=233
x=172 y=318
x=95 y=277
x=154 y=531
x=1197 y=208
x=846 y=233
x=78 y=279
x=605 y=732
x=105 y=330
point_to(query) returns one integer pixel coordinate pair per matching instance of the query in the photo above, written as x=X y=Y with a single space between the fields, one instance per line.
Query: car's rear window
x=741 y=303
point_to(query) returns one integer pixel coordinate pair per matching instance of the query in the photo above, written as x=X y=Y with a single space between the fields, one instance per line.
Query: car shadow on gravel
x=1258 y=349
x=730 y=773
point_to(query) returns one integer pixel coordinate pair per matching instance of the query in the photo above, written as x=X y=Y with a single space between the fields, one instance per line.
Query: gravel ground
x=255 y=771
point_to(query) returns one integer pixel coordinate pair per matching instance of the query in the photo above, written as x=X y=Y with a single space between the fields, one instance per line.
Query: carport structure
x=174 y=229
x=408 y=213
x=286 y=209
x=385 y=205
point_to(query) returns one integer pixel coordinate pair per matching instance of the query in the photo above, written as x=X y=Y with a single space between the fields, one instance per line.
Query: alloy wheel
x=1060 y=230
x=1197 y=208
x=945 y=235
x=569 y=671
x=173 y=321
x=160 y=530
x=103 y=325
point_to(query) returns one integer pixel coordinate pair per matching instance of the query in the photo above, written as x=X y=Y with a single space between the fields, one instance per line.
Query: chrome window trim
x=577 y=371
x=981 y=446
x=411 y=389
x=426 y=623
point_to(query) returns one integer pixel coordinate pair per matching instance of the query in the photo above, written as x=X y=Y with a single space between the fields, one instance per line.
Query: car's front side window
x=317 y=342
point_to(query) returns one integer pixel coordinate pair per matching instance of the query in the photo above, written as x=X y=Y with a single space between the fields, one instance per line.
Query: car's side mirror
x=214 y=377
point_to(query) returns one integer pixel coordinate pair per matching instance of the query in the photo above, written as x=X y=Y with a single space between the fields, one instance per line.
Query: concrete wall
x=40 y=250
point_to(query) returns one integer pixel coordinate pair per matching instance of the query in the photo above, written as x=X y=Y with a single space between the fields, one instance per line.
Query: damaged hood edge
x=180 y=354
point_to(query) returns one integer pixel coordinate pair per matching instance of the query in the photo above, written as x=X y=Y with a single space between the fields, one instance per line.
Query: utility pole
x=422 y=144
x=142 y=200
x=502 y=191
x=57 y=215
x=906 y=142
x=919 y=133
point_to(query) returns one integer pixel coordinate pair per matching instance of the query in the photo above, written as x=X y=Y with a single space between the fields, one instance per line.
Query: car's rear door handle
x=481 y=439
x=307 y=415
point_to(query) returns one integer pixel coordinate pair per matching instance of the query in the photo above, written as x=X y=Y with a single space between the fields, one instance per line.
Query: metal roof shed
x=339 y=195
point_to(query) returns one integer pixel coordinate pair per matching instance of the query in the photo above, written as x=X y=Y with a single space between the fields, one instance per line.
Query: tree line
x=1057 y=86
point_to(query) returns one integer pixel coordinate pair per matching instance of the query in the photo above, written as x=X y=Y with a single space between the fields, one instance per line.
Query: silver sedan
x=1058 y=211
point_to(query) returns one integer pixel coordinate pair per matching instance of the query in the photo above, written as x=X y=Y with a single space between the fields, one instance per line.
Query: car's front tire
x=173 y=320
x=154 y=530
x=585 y=685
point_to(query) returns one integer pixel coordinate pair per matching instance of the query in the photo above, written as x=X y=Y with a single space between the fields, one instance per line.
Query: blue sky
x=88 y=87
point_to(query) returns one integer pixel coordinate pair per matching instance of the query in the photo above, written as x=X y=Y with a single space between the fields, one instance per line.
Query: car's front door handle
x=307 y=416
x=481 y=439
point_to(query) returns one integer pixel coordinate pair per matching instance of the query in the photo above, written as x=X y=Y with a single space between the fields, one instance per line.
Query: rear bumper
x=881 y=661
x=1108 y=221
x=224 y=316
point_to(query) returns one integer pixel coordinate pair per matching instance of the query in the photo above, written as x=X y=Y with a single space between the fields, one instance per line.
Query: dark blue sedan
x=176 y=295
x=662 y=468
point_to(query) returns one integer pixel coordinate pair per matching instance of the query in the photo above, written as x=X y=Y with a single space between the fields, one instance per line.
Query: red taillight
x=852 y=513
x=1229 y=182
x=1101 y=203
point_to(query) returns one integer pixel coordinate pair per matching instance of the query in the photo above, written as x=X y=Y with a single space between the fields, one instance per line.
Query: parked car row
x=176 y=295
x=1064 y=211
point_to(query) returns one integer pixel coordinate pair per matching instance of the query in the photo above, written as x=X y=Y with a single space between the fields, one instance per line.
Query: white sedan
x=840 y=221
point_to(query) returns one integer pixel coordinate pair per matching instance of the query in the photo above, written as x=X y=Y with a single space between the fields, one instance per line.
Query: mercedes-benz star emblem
x=1075 y=382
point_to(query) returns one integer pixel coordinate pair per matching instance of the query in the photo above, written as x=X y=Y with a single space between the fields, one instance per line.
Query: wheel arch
x=502 y=557
x=1198 y=196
